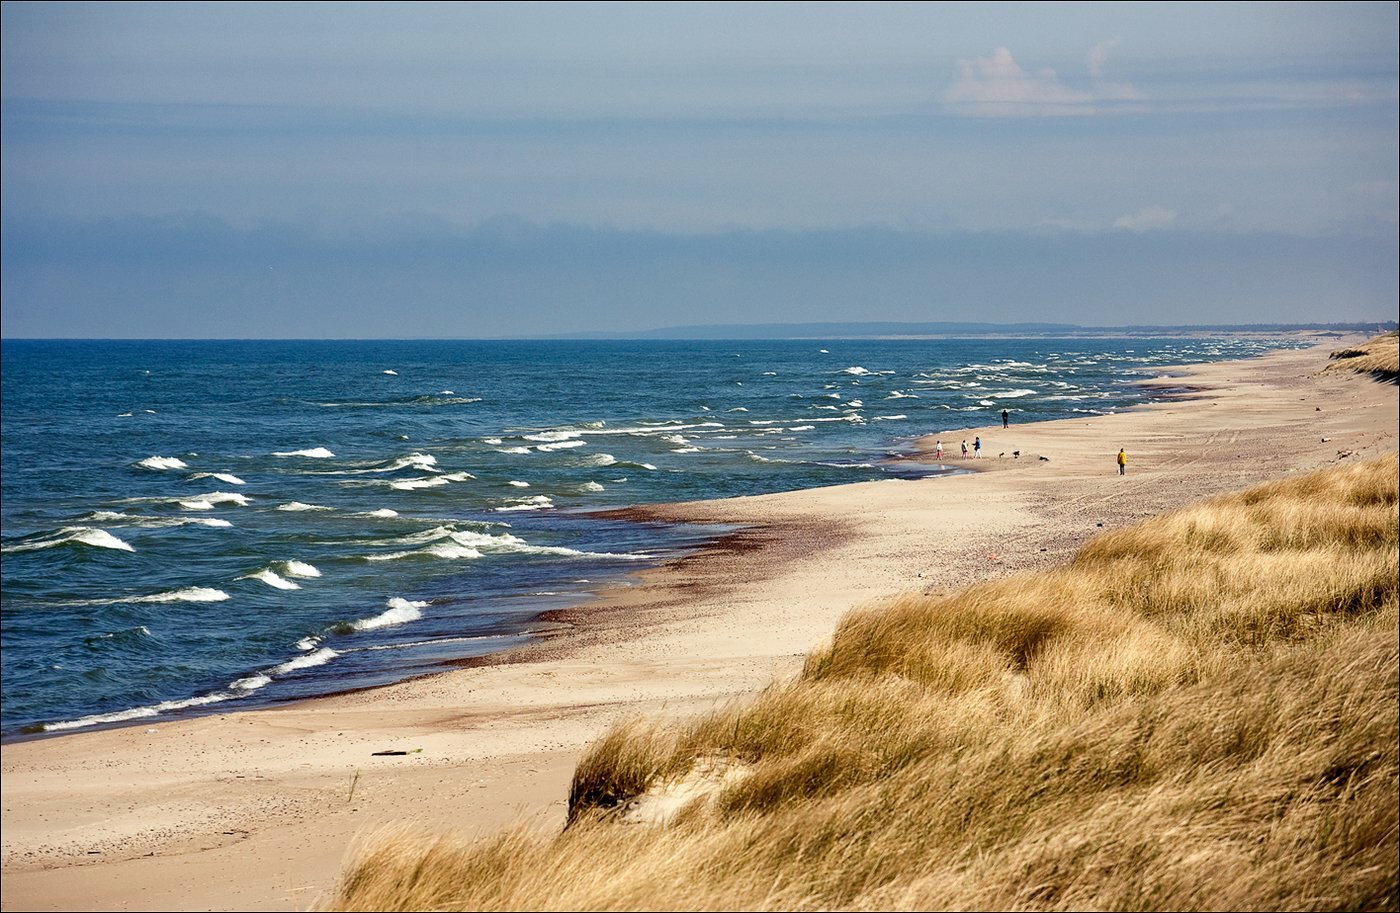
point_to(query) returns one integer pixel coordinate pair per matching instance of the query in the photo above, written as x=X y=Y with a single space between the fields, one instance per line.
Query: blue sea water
x=196 y=526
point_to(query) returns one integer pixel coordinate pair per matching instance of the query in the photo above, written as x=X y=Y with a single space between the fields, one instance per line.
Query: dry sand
x=255 y=810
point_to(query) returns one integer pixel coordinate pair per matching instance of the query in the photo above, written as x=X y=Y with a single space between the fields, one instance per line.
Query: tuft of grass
x=1379 y=357
x=1197 y=712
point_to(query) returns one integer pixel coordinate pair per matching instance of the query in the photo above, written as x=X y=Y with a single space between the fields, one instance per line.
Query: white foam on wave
x=856 y=370
x=160 y=462
x=590 y=486
x=300 y=506
x=802 y=428
x=136 y=713
x=538 y=502
x=514 y=450
x=1015 y=394
x=493 y=441
x=226 y=477
x=552 y=436
x=120 y=519
x=423 y=462
x=309 y=642
x=383 y=512
x=560 y=445
x=300 y=569
x=272 y=579
x=891 y=418
x=516 y=483
x=599 y=459
x=400 y=611
x=207 y=501
x=459 y=476
x=316 y=658
x=315 y=453
x=77 y=535
x=900 y=394
x=447 y=550
x=411 y=484
x=391 y=372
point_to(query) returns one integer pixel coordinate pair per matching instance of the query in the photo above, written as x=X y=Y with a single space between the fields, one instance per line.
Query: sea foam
x=315 y=453
x=160 y=462
x=72 y=535
x=400 y=611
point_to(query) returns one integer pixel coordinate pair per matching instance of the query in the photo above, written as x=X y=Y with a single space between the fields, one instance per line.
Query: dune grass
x=1379 y=357
x=1198 y=712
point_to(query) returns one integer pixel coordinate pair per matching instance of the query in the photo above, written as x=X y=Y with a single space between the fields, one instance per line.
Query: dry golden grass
x=1379 y=356
x=1199 y=712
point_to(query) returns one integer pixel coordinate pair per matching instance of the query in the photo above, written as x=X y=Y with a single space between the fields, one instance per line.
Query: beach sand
x=255 y=810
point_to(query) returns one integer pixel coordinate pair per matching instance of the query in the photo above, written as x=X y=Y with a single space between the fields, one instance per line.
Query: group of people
x=1006 y=423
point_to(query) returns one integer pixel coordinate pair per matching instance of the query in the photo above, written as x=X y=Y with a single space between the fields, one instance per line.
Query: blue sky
x=482 y=170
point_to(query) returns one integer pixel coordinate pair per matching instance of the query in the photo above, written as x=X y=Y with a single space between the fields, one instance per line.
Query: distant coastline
x=955 y=329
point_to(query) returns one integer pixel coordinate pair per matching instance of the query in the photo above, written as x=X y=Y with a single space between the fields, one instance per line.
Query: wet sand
x=255 y=810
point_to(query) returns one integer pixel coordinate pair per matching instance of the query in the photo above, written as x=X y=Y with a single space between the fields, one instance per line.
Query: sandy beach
x=256 y=810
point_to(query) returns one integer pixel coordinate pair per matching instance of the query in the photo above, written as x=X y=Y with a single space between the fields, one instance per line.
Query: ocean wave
x=391 y=372
x=560 y=445
x=300 y=569
x=891 y=418
x=315 y=658
x=71 y=535
x=516 y=483
x=226 y=477
x=315 y=453
x=538 y=502
x=301 y=506
x=207 y=501
x=590 y=486
x=514 y=450
x=400 y=611
x=1015 y=394
x=382 y=513
x=803 y=428
x=599 y=459
x=458 y=476
x=160 y=462
x=121 y=519
x=136 y=713
x=451 y=551
x=423 y=462
x=411 y=484
x=272 y=579
x=551 y=436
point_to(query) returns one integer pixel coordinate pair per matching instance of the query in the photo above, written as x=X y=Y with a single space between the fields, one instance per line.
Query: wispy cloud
x=997 y=86
x=1146 y=219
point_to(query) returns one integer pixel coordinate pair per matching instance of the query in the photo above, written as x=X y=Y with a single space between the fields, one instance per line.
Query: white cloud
x=1146 y=219
x=997 y=86
x=1098 y=56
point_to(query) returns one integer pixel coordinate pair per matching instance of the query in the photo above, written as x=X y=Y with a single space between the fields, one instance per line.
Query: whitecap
x=802 y=428
x=560 y=445
x=77 y=535
x=857 y=370
x=1015 y=394
x=410 y=484
x=317 y=658
x=552 y=436
x=207 y=501
x=737 y=409
x=458 y=476
x=890 y=418
x=226 y=477
x=518 y=484
x=599 y=459
x=300 y=569
x=590 y=486
x=400 y=611
x=383 y=512
x=160 y=462
x=300 y=505
x=493 y=441
x=538 y=502
x=514 y=450
x=272 y=579
x=315 y=453
x=310 y=642
x=423 y=462
x=392 y=372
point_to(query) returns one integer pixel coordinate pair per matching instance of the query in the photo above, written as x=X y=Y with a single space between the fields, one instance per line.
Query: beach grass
x=1379 y=357
x=1197 y=712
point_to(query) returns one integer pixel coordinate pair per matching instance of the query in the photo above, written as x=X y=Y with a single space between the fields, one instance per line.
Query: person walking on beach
x=938 y=450
x=977 y=449
x=1005 y=419
x=1122 y=462
x=964 y=448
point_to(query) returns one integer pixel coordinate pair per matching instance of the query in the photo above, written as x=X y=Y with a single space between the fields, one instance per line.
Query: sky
x=478 y=170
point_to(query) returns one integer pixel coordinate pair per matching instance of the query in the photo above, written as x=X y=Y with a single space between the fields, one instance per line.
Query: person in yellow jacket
x=1122 y=462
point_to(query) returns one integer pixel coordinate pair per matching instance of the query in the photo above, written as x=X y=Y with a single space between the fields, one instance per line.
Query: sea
x=205 y=526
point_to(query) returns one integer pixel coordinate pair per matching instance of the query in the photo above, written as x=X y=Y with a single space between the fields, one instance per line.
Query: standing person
x=964 y=446
x=977 y=449
x=1005 y=419
x=1122 y=462
x=938 y=450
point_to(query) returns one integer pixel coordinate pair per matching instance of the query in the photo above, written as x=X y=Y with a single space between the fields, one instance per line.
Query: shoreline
x=259 y=805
